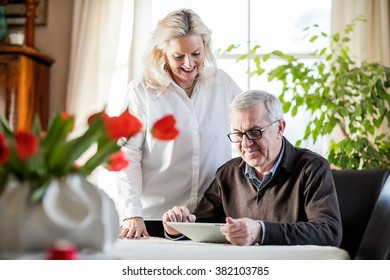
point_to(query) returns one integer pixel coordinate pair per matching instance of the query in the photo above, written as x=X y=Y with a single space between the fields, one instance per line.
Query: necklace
x=191 y=88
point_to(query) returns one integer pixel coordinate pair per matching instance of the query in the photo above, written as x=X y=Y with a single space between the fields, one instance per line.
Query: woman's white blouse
x=163 y=174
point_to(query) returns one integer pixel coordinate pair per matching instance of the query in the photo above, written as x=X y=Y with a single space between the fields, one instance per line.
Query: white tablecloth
x=163 y=249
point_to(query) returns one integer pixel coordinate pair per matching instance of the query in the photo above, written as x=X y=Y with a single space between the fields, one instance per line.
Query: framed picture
x=16 y=12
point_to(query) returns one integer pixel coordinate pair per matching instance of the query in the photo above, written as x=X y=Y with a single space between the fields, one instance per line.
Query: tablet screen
x=201 y=232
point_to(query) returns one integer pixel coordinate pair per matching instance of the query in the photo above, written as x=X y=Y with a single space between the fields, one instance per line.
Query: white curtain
x=99 y=68
x=142 y=26
x=371 y=39
x=101 y=36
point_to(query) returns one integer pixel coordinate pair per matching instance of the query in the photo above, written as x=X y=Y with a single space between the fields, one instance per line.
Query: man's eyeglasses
x=253 y=134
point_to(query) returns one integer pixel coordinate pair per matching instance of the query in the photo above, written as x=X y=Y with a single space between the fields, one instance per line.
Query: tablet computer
x=201 y=232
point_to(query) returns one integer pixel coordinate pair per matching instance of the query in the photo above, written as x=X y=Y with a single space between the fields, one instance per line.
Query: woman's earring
x=164 y=64
x=166 y=68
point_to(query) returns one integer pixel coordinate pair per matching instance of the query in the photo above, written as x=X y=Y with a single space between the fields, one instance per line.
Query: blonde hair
x=177 y=24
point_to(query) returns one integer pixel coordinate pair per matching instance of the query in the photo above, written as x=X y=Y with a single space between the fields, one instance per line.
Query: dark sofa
x=364 y=200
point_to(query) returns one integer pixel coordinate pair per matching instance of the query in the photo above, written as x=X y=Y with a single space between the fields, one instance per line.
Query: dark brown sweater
x=298 y=206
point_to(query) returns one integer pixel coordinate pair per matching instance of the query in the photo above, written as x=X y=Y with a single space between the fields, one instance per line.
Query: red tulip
x=4 y=149
x=164 y=129
x=126 y=125
x=117 y=162
x=65 y=115
x=26 y=144
x=62 y=250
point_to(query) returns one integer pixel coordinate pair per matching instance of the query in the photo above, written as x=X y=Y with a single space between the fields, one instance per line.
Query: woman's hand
x=177 y=214
x=134 y=228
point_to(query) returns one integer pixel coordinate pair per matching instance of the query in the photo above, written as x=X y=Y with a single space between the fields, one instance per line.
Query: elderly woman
x=180 y=77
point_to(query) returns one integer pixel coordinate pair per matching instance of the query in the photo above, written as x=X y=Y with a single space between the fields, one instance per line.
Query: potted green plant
x=339 y=92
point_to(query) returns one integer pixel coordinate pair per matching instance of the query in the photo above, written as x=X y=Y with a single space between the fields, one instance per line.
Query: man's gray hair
x=246 y=100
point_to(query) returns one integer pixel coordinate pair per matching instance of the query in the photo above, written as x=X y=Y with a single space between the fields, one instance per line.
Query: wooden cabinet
x=24 y=86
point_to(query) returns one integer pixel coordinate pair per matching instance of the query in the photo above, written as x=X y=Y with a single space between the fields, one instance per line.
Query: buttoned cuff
x=262 y=231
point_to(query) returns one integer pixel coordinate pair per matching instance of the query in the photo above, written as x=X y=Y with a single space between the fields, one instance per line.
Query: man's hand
x=133 y=228
x=177 y=214
x=242 y=231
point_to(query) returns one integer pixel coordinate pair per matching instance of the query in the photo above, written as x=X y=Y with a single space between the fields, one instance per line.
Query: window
x=276 y=24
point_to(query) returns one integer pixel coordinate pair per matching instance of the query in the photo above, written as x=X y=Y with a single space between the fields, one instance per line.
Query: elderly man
x=274 y=193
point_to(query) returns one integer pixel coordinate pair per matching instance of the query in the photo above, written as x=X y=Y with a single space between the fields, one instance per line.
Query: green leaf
x=254 y=49
x=102 y=154
x=328 y=127
x=241 y=57
x=294 y=111
x=286 y=106
x=38 y=193
x=278 y=53
x=37 y=129
x=64 y=154
x=278 y=72
x=307 y=132
x=260 y=71
x=231 y=47
x=58 y=130
x=323 y=51
x=266 y=57
x=5 y=128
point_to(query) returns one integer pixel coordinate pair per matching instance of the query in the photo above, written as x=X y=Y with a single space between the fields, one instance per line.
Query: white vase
x=72 y=209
